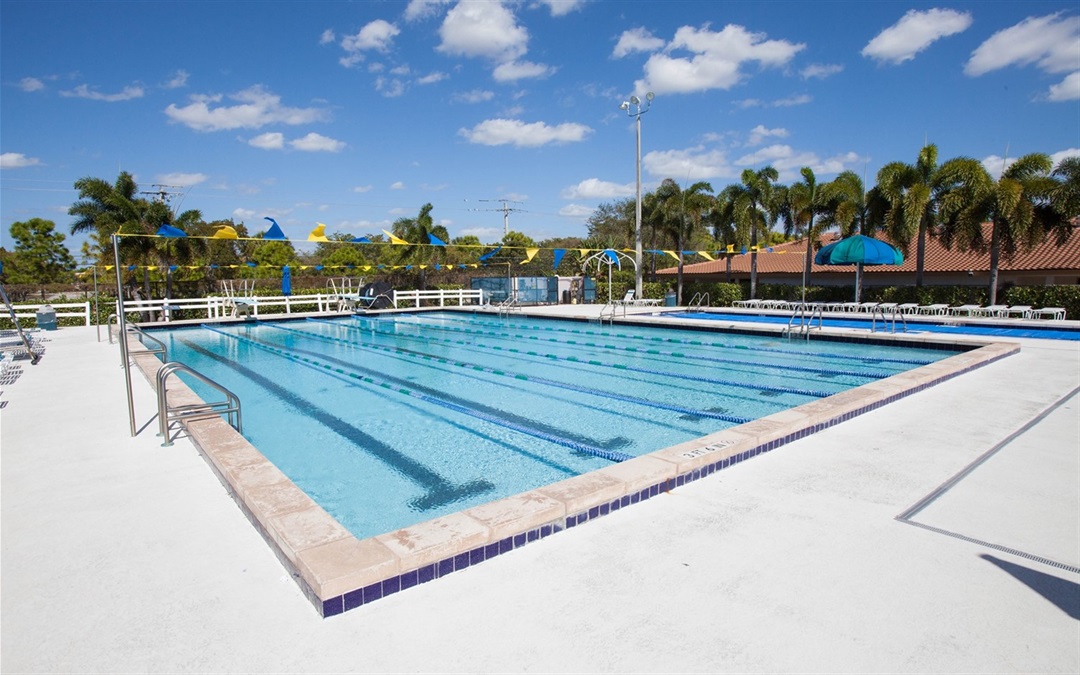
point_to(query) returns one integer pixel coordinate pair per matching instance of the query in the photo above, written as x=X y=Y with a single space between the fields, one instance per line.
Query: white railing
x=461 y=296
x=30 y=311
x=220 y=306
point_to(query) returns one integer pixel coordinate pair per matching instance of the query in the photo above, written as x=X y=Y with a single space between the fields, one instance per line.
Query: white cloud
x=914 y=32
x=390 y=87
x=1066 y=90
x=375 y=36
x=432 y=78
x=397 y=185
x=760 y=133
x=314 y=142
x=820 y=70
x=421 y=9
x=271 y=140
x=576 y=211
x=692 y=164
x=513 y=71
x=562 y=7
x=327 y=37
x=17 y=160
x=636 y=40
x=1050 y=42
x=256 y=107
x=31 y=84
x=788 y=161
x=995 y=164
x=482 y=28
x=179 y=79
x=523 y=135
x=474 y=96
x=795 y=99
x=594 y=188
x=182 y=179
x=84 y=91
x=716 y=62
x=363 y=188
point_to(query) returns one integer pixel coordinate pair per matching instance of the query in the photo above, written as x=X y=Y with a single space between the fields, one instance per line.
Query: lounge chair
x=866 y=307
x=966 y=310
x=996 y=311
x=627 y=299
x=1021 y=311
x=935 y=310
x=908 y=308
x=1055 y=313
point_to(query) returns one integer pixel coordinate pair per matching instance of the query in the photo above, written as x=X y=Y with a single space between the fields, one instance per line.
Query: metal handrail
x=894 y=312
x=109 y=323
x=504 y=307
x=805 y=325
x=144 y=336
x=194 y=411
x=698 y=301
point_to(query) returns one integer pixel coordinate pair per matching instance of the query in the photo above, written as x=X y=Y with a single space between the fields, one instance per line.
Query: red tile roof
x=788 y=258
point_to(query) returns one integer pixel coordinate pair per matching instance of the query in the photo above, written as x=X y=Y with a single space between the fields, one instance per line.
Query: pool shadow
x=1065 y=595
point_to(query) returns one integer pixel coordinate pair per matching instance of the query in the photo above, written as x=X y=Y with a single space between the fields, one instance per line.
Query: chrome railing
x=167 y=414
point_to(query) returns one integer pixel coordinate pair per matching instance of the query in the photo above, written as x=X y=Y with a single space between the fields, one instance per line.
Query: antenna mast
x=506 y=210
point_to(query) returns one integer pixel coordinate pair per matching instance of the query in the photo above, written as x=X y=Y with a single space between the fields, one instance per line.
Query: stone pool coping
x=338 y=572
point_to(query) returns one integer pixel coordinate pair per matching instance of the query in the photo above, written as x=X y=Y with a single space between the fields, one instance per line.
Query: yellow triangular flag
x=672 y=254
x=730 y=248
x=583 y=252
x=397 y=241
x=705 y=255
x=318 y=234
x=226 y=232
x=530 y=253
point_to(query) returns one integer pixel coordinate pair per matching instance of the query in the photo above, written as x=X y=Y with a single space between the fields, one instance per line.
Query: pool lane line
x=532 y=378
x=696 y=343
x=414 y=392
x=695 y=378
x=634 y=350
x=439 y=491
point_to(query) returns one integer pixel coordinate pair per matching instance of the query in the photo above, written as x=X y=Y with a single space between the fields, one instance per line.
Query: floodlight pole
x=123 y=332
x=634 y=109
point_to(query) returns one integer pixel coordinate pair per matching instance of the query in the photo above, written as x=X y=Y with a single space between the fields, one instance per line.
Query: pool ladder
x=509 y=304
x=697 y=302
x=167 y=414
x=800 y=323
x=888 y=319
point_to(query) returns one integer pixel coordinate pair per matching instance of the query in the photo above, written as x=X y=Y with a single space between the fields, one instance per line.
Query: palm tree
x=913 y=203
x=805 y=206
x=1019 y=207
x=753 y=204
x=1066 y=195
x=417 y=231
x=682 y=213
x=116 y=209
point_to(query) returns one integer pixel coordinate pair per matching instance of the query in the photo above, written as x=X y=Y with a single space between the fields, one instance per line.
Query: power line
x=506 y=210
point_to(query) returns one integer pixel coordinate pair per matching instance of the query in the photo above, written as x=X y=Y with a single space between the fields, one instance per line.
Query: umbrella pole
x=858 y=280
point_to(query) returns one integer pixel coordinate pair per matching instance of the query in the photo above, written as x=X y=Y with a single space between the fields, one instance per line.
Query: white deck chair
x=935 y=310
x=1020 y=311
x=1055 y=313
x=966 y=310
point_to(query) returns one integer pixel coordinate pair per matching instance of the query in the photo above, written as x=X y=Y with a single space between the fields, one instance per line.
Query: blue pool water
x=956 y=326
x=389 y=421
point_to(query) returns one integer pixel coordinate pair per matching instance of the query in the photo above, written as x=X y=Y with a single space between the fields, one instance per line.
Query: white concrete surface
x=119 y=555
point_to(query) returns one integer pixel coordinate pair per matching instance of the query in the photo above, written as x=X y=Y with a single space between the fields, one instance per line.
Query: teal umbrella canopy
x=859 y=250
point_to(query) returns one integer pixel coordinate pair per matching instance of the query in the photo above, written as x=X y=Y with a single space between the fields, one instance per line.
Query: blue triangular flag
x=559 y=253
x=170 y=231
x=435 y=241
x=274 y=232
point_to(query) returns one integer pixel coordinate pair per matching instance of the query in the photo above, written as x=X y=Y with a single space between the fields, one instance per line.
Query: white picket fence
x=30 y=311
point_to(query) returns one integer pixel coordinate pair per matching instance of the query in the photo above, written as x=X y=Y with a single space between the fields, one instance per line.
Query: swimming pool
x=386 y=421
x=437 y=405
x=951 y=326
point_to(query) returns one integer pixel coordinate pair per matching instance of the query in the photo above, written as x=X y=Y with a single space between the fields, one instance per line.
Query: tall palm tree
x=754 y=206
x=913 y=203
x=724 y=228
x=1018 y=206
x=805 y=214
x=1066 y=195
x=683 y=212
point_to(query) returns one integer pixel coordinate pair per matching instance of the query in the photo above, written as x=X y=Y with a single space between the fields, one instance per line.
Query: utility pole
x=506 y=209
x=162 y=194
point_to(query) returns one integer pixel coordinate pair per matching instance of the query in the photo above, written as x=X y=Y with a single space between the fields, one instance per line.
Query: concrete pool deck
x=122 y=555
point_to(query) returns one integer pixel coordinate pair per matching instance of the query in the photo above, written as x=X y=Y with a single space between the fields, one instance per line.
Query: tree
x=803 y=204
x=419 y=251
x=913 y=203
x=1066 y=195
x=614 y=222
x=1019 y=207
x=40 y=254
x=754 y=208
x=106 y=209
x=681 y=214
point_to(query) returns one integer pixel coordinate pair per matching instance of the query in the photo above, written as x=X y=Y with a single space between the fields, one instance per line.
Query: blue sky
x=354 y=114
